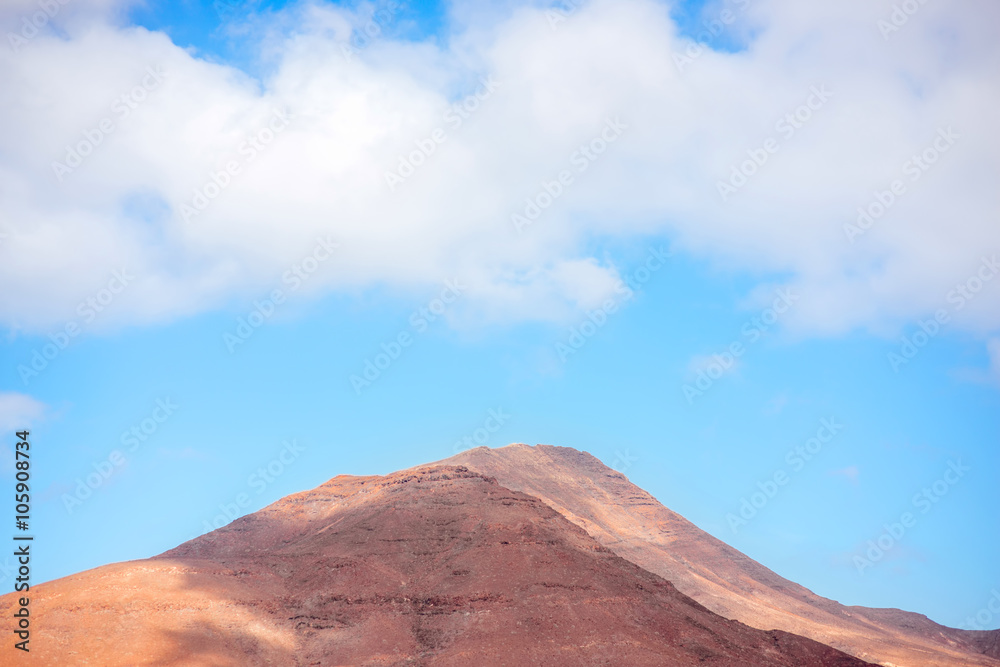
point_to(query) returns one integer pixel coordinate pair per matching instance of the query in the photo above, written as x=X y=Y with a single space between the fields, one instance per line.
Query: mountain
x=439 y=565
x=635 y=526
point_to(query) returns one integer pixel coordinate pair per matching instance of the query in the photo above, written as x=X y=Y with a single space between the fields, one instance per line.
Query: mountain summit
x=439 y=565
x=513 y=556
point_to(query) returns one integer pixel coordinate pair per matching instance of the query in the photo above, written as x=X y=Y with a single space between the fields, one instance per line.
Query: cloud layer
x=425 y=162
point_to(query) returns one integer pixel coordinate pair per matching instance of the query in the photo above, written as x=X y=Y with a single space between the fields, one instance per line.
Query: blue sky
x=522 y=300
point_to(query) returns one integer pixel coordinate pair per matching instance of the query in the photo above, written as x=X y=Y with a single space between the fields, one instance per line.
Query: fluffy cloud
x=828 y=110
x=18 y=411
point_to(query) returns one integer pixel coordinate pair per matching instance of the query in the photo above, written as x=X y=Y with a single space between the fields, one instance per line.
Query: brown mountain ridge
x=512 y=556
x=435 y=566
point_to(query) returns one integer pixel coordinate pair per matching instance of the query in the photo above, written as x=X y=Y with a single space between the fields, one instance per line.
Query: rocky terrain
x=433 y=566
x=633 y=524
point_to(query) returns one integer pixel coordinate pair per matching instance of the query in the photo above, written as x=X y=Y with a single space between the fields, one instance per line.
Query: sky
x=745 y=252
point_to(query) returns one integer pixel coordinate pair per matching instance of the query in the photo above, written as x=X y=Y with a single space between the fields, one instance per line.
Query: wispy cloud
x=776 y=405
x=993 y=347
x=715 y=364
x=850 y=473
x=19 y=411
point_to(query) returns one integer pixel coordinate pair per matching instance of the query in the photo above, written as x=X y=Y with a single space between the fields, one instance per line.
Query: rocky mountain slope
x=436 y=566
x=633 y=524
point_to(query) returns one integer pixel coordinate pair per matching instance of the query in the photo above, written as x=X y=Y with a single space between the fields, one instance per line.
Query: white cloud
x=993 y=347
x=18 y=411
x=353 y=119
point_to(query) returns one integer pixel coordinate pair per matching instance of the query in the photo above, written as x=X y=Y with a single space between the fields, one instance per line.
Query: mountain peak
x=435 y=565
x=510 y=556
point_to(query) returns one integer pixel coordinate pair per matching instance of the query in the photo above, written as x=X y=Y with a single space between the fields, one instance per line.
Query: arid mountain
x=630 y=522
x=436 y=566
